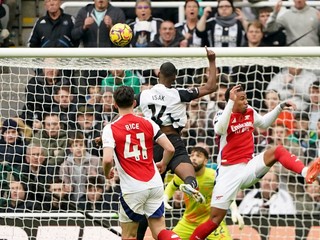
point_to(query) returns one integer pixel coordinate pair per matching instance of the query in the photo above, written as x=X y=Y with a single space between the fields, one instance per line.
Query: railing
x=72 y=7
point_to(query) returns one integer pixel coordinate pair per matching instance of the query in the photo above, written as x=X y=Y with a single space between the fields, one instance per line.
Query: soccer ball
x=120 y=34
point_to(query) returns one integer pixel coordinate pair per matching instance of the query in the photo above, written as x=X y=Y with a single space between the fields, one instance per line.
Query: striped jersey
x=132 y=139
x=166 y=106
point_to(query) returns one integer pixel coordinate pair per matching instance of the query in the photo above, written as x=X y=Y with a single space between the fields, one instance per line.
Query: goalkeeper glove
x=166 y=203
x=236 y=216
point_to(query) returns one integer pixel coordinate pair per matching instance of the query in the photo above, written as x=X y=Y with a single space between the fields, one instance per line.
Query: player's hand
x=236 y=216
x=161 y=166
x=288 y=105
x=166 y=203
x=233 y=92
x=210 y=55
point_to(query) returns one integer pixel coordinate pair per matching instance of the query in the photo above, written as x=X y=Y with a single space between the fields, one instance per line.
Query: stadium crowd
x=51 y=153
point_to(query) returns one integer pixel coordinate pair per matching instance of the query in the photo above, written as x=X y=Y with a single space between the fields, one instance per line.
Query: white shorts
x=149 y=203
x=230 y=179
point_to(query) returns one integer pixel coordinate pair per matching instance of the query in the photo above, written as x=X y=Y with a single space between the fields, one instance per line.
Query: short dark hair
x=265 y=9
x=301 y=116
x=227 y=94
x=124 y=96
x=168 y=69
x=96 y=181
x=201 y=150
x=186 y=2
x=315 y=84
x=231 y=3
x=75 y=136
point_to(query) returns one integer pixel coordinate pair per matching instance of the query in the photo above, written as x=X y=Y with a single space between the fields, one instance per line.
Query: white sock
x=304 y=171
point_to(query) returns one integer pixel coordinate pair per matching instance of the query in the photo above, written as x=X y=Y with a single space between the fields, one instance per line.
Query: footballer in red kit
x=128 y=142
x=237 y=167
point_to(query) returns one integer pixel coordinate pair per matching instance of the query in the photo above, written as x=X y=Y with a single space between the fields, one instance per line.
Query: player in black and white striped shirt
x=167 y=107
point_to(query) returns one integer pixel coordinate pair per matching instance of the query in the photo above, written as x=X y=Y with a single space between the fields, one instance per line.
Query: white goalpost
x=81 y=68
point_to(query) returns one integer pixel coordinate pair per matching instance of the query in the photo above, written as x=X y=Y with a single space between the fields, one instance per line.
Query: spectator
x=318 y=134
x=226 y=29
x=276 y=38
x=271 y=100
x=145 y=26
x=301 y=23
x=90 y=128
x=16 y=201
x=106 y=111
x=78 y=166
x=12 y=146
x=255 y=79
x=293 y=84
x=122 y=78
x=254 y=35
x=36 y=172
x=65 y=104
x=279 y=135
x=94 y=95
x=58 y=197
x=168 y=36
x=268 y=199
x=313 y=108
x=96 y=199
x=304 y=137
x=5 y=30
x=309 y=200
x=53 y=138
x=196 y=128
x=53 y=29
x=12 y=4
x=94 y=21
x=39 y=92
x=188 y=27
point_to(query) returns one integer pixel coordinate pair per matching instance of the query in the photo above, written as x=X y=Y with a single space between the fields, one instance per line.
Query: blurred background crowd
x=50 y=149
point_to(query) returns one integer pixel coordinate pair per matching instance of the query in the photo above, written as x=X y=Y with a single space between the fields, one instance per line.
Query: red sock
x=167 y=234
x=203 y=230
x=288 y=160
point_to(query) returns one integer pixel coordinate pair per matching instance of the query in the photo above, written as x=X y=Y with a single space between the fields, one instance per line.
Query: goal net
x=54 y=99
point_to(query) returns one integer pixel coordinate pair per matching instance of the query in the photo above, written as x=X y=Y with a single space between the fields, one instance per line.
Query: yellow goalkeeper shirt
x=195 y=212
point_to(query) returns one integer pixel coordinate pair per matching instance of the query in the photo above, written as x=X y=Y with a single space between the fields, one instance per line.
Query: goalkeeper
x=195 y=213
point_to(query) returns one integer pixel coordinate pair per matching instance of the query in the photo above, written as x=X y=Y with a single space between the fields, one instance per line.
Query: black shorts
x=180 y=155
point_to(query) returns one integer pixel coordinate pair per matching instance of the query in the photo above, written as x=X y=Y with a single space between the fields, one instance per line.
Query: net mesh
x=59 y=186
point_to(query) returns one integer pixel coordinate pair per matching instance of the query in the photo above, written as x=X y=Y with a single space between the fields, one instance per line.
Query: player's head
x=199 y=158
x=241 y=103
x=124 y=97
x=168 y=73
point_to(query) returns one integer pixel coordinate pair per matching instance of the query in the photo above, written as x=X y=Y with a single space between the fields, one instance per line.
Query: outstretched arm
x=211 y=85
x=268 y=119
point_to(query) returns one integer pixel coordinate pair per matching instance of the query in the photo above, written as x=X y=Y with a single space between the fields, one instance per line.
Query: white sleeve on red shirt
x=222 y=122
x=107 y=137
x=266 y=120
